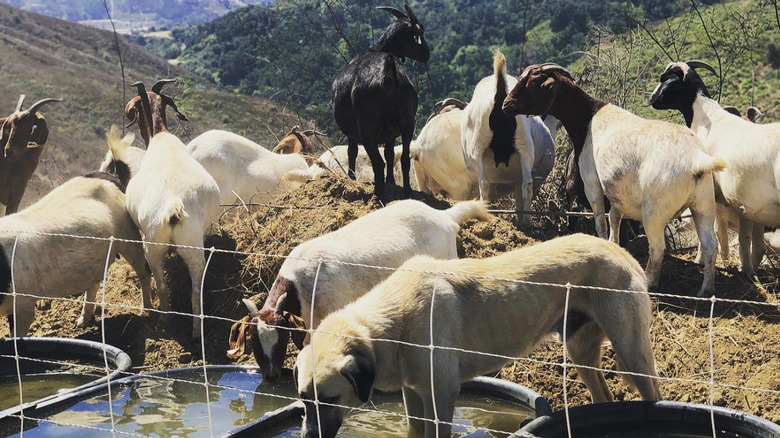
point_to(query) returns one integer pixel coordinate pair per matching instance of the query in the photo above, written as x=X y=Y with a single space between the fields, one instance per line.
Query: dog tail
x=463 y=211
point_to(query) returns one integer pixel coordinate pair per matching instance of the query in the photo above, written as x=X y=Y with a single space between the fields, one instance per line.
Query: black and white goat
x=489 y=136
x=374 y=102
x=750 y=186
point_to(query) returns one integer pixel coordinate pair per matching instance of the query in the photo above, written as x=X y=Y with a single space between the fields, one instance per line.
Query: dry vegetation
x=746 y=336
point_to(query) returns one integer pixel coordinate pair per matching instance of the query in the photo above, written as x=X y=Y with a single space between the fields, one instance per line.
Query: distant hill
x=47 y=57
x=292 y=50
x=135 y=14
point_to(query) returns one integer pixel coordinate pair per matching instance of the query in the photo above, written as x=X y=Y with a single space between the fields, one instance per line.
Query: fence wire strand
x=436 y=421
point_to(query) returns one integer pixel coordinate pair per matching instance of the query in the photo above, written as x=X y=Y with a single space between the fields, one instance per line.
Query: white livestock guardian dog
x=494 y=306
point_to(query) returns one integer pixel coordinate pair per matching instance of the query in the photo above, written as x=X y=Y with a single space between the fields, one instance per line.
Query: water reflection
x=158 y=407
x=472 y=411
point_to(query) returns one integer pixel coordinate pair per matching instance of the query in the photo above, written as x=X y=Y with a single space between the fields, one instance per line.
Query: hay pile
x=326 y=205
x=747 y=337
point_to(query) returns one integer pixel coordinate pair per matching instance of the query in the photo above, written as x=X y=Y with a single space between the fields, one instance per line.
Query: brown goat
x=297 y=142
x=753 y=114
x=151 y=105
x=22 y=136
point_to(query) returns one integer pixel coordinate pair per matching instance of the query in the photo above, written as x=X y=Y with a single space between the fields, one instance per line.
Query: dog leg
x=584 y=347
x=446 y=394
x=414 y=408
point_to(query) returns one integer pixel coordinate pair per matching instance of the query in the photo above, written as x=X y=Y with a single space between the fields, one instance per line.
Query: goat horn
x=280 y=304
x=293 y=130
x=139 y=86
x=398 y=14
x=549 y=66
x=732 y=110
x=695 y=63
x=452 y=101
x=312 y=132
x=412 y=17
x=251 y=307
x=158 y=86
x=169 y=101
x=21 y=102
x=37 y=105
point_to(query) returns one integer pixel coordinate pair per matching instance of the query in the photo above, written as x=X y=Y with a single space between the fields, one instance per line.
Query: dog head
x=343 y=370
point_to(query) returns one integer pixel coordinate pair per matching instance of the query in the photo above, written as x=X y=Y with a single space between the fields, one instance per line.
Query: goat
x=648 y=169
x=173 y=200
x=50 y=266
x=488 y=133
x=334 y=160
x=751 y=184
x=726 y=219
x=474 y=311
x=440 y=167
x=148 y=109
x=243 y=168
x=374 y=102
x=753 y=114
x=22 y=136
x=297 y=142
x=408 y=228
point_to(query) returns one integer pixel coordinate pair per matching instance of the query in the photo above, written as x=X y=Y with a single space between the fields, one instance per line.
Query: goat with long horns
x=22 y=135
x=148 y=109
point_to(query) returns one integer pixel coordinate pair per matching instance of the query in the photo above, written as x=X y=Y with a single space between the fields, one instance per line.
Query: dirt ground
x=746 y=345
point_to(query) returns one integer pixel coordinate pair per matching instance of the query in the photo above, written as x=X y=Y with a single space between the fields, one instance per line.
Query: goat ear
x=360 y=372
x=131 y=112
x=298 y=336
x=3 y=137
x=40 y=132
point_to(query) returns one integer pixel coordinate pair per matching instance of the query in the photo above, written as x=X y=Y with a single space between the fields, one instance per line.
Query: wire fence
x=437 y=417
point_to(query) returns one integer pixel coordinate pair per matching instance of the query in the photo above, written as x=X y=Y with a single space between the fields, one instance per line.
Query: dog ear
x=360 y=371
x=297 y=336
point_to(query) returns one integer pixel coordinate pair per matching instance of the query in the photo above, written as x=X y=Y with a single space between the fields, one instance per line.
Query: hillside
x=744 y=35
x=47 y=57
x=293 y=49
x=135 y=14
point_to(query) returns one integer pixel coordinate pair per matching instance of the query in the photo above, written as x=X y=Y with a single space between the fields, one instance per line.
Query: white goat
x=336 y=159
x=173 y=200
x=490 y=137
x=460 y=305
x=440 y=167
x=750 y=186
x=386 y=237
x=49 y=266
x=243 y=168
x=650 y=170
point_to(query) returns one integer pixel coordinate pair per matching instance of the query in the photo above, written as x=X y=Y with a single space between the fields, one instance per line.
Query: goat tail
x=707 y=164
x=117 y=144
x=175 y=213
x=463 y=211
x=499 y=71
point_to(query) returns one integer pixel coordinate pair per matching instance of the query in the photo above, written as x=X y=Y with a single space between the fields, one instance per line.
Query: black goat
x=374 y=102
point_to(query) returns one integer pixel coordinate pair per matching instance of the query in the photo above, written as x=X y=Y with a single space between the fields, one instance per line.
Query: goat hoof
x=84 y=323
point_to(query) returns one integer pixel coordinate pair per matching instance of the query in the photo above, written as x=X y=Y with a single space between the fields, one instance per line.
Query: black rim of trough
x=64 y=349
x=620 y=416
